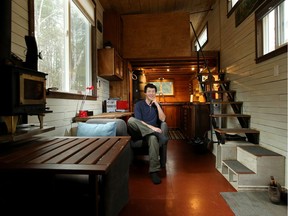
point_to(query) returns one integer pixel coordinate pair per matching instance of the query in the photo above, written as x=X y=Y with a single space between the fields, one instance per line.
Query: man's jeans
x=139 y=131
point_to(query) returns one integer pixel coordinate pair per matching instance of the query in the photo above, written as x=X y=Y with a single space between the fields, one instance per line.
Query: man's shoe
x=155 y=178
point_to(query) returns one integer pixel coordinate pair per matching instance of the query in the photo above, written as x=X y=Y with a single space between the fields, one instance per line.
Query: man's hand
x=161 y=114
x=156 y=129
x=154 y=101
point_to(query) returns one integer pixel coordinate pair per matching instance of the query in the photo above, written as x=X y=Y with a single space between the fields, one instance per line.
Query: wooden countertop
x=111 y=115
x=173 y=103
x=181 y=103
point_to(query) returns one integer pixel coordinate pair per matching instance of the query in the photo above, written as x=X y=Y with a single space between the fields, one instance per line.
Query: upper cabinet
x=110 y=64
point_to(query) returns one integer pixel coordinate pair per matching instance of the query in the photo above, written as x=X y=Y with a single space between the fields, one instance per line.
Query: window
x=203 y=38
x=63 y=33
x=231 y=6
x=272 y=29
x=164 y=86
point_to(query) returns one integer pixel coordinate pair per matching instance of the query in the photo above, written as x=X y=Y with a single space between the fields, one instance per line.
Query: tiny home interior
x=223 y=87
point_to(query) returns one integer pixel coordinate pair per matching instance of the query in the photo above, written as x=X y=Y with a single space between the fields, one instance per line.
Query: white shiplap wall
x=63 y=110
x=263 y=93
x=19 y=27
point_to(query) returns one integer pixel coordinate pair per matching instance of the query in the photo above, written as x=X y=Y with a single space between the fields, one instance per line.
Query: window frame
x=68 y=95
x=261 y=12
x=162 y=80
x=232 y=9
x=202 y=32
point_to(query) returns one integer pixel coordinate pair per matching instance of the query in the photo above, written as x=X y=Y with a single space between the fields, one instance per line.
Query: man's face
x=150 y=93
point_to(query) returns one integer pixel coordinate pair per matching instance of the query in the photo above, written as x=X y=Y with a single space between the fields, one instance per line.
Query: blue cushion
x=85 y=129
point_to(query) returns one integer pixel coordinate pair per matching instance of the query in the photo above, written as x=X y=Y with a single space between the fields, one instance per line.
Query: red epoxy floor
x=191 y=185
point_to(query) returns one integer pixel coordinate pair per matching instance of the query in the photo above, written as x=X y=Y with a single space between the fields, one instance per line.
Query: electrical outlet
x=276 y=70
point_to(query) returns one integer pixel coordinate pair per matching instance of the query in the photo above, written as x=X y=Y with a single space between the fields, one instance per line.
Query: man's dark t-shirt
x=146 y=113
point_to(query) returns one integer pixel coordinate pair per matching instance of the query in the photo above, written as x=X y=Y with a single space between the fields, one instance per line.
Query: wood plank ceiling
x=197 y=9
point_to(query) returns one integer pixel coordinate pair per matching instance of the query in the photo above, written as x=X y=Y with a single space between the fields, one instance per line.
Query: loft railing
x=210 y=78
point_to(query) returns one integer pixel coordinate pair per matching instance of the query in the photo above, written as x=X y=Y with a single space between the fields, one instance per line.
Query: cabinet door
x=105 y=62
x=172 y=116
x=203 y=120
x=185 y=125
x=118 y=66
x=110 y=64
x=200 y=120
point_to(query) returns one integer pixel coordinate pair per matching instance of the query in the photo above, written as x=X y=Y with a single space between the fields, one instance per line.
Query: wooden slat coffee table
x=64 y=155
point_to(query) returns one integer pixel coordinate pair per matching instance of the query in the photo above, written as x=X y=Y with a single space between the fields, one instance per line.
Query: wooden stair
x=239 y=158
x=247 y=131
x=226 y=98
x=230 y=115
x=252 y=167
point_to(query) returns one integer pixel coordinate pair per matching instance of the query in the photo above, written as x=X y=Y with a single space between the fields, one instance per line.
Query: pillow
x=85 y=129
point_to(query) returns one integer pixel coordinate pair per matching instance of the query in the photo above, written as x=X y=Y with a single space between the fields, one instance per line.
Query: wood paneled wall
x=181 y=90
x=156 y=35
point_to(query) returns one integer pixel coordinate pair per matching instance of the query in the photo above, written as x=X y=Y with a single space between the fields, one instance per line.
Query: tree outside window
x=63 y=36
x=272 y=28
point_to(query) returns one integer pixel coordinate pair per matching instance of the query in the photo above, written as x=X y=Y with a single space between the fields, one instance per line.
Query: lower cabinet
x=194 y=120
x=191 y=118
x=172 y=113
